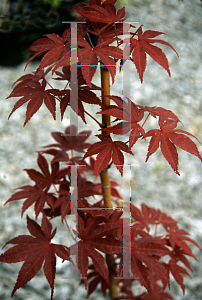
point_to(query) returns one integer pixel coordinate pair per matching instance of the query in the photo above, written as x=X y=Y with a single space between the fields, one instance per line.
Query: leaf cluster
x=96 y=224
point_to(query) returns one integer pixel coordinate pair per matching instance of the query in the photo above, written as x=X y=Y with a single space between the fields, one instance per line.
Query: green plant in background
x=53 y=3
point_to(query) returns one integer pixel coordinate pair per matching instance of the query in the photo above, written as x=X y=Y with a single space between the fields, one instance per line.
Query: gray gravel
x=155 y=183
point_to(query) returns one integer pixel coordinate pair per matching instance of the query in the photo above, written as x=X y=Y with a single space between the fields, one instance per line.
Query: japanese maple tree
x=100 y=225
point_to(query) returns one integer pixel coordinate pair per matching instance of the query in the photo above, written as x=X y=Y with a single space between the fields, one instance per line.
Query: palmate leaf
x=35 y=250
x=178 y=238
x=156 y=293
x=34 y=92
x=56 y=47
x=67 y=142
x=143 y=262
x=106 y=150
x=167 y=136
x=103 y=13
x=142 y=45
x=95 y=281
x=46 y=179
x=34 y=194
x=91 y=235
x=176 y=271
x=88 y=58
x=38 y=194
x=163 y=114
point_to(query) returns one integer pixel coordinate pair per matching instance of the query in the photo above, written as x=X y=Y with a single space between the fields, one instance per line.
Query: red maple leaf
x=168 y=137
x=34 y=194
x=107 y=149
x=66 y=142
x=60 y=155
x=177 y=238
x=35 y=250
x=56 y=47
x=28 y=78
x=101 y=13
x=37 y=193
x=142 y=45
x=88 y=58
x=46 y=179
x=163 y=113
x=91 y=235
x=157 y=292
x=180 y=256
x=95 y=281
x=144 y=253
x=144 y=216
x=104 y=33
x=33 y=91
x=176 y=270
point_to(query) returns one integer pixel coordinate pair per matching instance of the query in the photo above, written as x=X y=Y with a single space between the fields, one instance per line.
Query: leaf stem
x=146 y=119
x=49 y=84
x=55 y=188
x=93 y=118
x=52 y=88
x=156 y=230
x=70 y=230
x=91 y=44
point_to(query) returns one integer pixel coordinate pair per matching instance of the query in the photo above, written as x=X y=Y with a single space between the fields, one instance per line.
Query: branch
x=101 y=126
x=104 y=175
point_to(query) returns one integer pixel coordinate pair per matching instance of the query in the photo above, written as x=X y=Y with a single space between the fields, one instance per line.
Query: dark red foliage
x=107 y=149
x=35 y=250
x=94 y=230
x=100 y=228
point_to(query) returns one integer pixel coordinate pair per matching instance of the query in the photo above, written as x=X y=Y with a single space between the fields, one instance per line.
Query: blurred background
x=154 y=182
x=24 y=21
